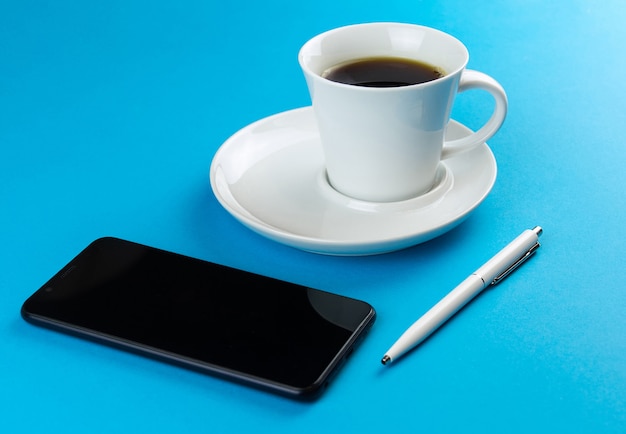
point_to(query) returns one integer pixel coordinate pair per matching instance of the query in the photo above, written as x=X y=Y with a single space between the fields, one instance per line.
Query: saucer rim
x=335 y=247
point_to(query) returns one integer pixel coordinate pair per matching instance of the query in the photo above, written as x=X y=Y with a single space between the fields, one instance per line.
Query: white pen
x=496 y=269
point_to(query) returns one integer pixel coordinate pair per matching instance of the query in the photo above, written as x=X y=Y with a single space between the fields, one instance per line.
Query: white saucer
x=270 y=176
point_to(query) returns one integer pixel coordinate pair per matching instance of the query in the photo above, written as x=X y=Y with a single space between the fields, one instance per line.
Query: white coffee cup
x=384 y=144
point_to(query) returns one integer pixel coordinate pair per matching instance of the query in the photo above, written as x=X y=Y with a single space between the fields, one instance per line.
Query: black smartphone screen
x=259 y=330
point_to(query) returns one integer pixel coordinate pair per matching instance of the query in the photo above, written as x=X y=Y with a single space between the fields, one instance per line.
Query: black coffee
x=383 y=72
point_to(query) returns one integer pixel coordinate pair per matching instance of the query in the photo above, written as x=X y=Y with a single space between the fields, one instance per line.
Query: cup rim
x=316 y=41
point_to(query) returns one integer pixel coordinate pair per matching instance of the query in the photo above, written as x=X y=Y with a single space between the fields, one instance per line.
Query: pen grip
x=454 y=301
x=441 y=312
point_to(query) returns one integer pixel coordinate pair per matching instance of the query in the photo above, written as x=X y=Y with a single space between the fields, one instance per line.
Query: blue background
x=110 y=114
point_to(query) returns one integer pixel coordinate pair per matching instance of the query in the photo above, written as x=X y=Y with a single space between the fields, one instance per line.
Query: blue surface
x=109 y=117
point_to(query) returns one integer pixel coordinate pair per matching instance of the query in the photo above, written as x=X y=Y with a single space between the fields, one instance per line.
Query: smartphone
x=279 y=336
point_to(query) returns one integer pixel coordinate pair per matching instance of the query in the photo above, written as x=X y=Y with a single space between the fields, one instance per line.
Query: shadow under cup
x=382 y=144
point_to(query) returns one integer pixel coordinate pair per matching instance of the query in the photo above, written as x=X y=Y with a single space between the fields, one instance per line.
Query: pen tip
x=386 y=359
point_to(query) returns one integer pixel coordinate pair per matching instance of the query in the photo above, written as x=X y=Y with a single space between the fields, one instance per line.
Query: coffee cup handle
x=477 y=80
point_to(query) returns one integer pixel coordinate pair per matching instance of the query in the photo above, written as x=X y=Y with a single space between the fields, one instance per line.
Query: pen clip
x=516 y=264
